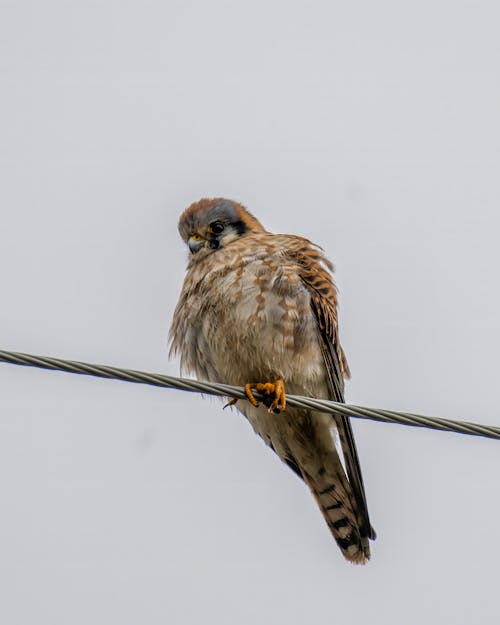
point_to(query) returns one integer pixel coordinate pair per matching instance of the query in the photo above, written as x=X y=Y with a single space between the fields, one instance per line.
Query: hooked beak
x=195 y=242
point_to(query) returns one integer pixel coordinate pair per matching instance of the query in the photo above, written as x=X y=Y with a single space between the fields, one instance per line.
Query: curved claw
x=275 y=398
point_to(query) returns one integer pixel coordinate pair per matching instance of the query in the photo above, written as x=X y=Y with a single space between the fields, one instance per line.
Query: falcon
x=259 y=310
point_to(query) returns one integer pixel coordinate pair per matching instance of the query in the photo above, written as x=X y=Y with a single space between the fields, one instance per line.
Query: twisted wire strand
x=211 y=388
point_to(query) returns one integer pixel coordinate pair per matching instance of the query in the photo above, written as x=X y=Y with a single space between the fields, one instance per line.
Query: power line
x=212 y=388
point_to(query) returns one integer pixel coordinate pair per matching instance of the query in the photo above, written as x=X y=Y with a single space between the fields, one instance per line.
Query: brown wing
x=315 y=271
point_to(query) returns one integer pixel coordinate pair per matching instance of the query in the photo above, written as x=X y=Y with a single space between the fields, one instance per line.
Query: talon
x=275 y=394
x=231 y=402
x=249 y=394
x=279 y=401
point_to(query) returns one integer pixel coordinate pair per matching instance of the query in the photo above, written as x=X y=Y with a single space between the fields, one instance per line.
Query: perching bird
x=259 y=310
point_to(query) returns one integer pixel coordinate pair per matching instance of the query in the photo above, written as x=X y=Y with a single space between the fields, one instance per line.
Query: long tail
x=335 y=499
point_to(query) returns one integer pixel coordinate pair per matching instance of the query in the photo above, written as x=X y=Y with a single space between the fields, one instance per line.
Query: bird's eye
x=216 y=227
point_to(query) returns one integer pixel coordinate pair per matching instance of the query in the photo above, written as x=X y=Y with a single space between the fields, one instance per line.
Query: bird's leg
x=274 y=394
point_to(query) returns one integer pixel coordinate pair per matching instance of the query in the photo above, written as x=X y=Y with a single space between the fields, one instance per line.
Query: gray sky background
x=371 y=128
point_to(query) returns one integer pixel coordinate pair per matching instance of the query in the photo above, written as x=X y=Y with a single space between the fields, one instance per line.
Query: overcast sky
x=371 y=128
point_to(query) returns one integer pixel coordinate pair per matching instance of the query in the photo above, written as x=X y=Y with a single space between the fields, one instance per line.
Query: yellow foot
x=274 y=394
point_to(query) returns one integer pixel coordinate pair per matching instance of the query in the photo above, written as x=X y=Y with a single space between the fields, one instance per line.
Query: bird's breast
x=248 y=319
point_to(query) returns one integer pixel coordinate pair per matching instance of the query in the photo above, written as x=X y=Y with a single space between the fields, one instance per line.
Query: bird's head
x=212 y=224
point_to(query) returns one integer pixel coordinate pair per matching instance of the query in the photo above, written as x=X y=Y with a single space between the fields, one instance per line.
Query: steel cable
x=212 y=388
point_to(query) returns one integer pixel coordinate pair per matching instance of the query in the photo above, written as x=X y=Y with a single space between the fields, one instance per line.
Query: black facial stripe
x=239 y=226
x=214 y=244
